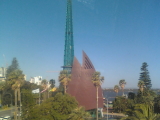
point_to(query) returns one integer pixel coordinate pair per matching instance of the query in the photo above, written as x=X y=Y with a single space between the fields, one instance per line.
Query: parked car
x=1 y=118
x=7 y=118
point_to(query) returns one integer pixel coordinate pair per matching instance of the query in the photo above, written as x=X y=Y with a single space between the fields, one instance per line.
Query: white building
x=37 y=80
x=2 y=73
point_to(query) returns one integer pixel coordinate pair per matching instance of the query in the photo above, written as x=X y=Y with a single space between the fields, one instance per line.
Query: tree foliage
x=2 y=87
x=120 y=104
x=97 y=79
x=122 y=84
x=116 y=89
x=64 y=78
x=157 y=104
x=79 y=114
x=13 y=66
x=144 y=76
x=141 y=112
x=141 y=86
x=147 y=97
x=52 y=83
x=28 y=103
x=59 y=107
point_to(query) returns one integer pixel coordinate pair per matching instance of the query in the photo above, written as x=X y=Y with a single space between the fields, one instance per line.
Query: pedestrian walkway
x=115 y=114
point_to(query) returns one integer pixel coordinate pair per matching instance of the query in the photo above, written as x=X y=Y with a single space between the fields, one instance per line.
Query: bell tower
x=69 y=45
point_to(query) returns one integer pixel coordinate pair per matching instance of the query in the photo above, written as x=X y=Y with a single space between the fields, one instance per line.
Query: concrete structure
x=36 y=80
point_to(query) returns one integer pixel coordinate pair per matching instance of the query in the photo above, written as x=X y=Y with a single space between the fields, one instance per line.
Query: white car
x=1 y=118
x=7 y=118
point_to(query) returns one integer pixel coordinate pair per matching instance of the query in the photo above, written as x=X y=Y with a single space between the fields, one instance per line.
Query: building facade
x=81 y=86
x=3 y=73
x=36 y=80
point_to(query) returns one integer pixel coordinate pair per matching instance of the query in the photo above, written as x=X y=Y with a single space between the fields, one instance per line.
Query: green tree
x=28 y=103
x=9 y=82
x=141 y=86
x=97 y=80
x=2 y=86
x=13 y=66
x=52 y=83
x=64 y=78
x=144 y=76
x=119 y=104
x=147 y=97
x=79 y=114
x=44 y=84
x=55 y=108
x=157 y=104
x=141 y=112
x=122 y=84
x=16 y=80
x=116 y=89
x=52 y=86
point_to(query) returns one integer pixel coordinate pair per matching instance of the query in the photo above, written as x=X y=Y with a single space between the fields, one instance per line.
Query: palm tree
x=141 y=86
x=116 y=89
x=16 y=79
x=64 y=78
x=97 y=81
x=2 y=85
x=44 y=84
x=142 y=112
x=122 y=84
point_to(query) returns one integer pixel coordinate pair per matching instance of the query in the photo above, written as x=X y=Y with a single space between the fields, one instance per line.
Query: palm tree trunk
x=123 y=91
x=64 y=89
x=15 y=115
x=1 y=99
x=19 y=97
x=97 y=103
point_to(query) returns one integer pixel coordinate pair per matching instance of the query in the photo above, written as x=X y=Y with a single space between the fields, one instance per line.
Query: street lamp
x=107 y=105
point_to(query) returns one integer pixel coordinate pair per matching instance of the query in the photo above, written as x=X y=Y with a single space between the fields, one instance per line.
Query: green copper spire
x=69 y=47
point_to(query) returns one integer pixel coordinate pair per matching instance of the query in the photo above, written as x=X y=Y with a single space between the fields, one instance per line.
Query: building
x=69 y=46
x=3 y=73
x=36 y=80
x=81 y=86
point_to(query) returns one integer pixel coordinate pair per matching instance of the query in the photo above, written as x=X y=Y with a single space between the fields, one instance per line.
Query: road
x=7 y=112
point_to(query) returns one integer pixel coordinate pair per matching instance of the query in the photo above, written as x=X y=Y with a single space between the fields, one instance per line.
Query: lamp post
x=107 y=105
x=107 y=108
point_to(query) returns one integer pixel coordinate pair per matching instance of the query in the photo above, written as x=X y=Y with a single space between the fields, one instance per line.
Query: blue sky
x=117 y=35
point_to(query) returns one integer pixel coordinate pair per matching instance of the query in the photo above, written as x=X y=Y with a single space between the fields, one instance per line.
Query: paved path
x=116 y=114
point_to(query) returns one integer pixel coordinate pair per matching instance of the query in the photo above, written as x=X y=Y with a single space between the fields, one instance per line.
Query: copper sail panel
x=81 y=85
